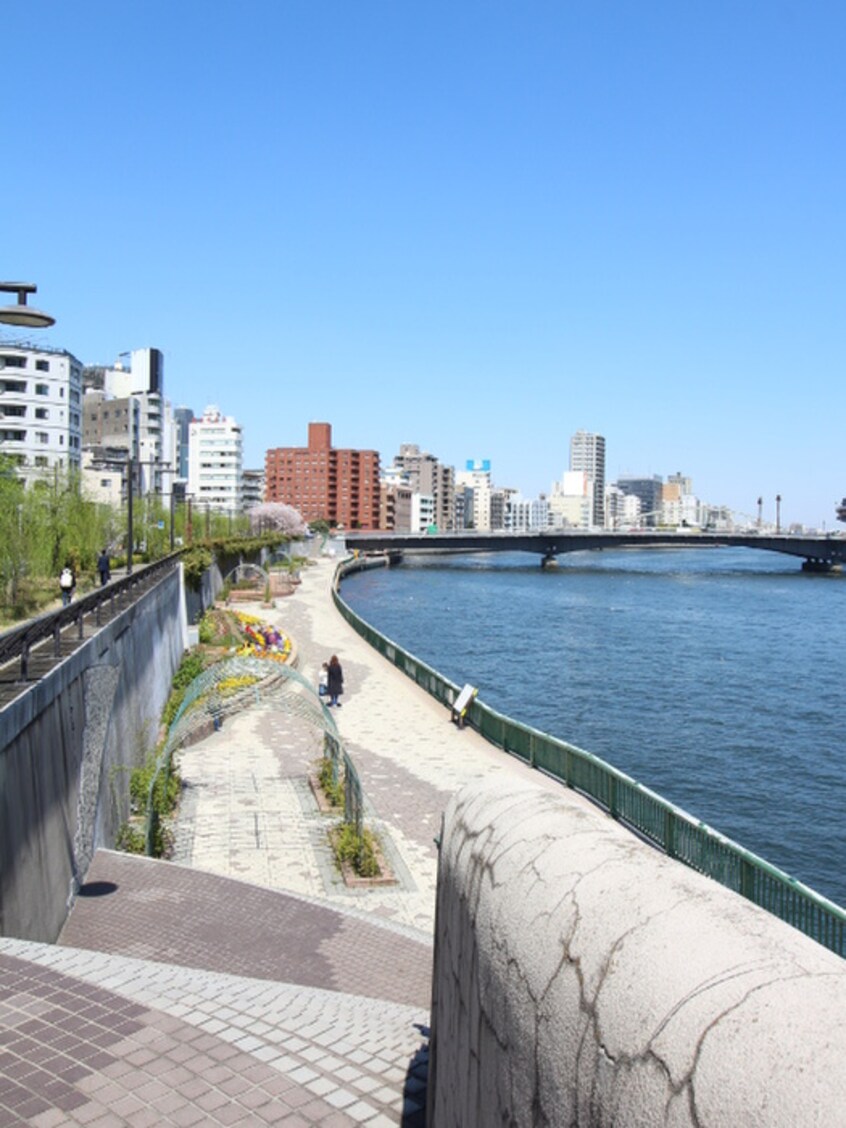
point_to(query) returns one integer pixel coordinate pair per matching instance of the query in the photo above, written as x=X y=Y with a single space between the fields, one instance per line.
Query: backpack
x=66 y=579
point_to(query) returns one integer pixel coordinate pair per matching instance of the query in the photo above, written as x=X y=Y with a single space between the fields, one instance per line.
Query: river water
x=713 y=676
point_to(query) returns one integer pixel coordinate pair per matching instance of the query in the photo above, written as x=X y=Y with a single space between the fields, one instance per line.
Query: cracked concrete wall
x=67 y=749
x=582 y=978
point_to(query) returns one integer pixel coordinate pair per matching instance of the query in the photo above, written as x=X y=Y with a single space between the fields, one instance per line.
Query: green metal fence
x=654 y=819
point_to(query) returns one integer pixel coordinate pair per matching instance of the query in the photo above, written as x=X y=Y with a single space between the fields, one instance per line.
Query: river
x=713 y=676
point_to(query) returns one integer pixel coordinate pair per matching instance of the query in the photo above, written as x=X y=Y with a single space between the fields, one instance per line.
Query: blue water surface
x=713 y=676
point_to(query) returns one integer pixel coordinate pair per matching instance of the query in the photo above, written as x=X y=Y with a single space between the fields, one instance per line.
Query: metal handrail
x=659 y=822
x=20 y=641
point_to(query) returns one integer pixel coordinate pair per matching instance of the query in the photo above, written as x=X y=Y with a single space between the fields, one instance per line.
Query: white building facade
x=587 y=456
x=40 y=409
x=475 y=482
x=215 y=456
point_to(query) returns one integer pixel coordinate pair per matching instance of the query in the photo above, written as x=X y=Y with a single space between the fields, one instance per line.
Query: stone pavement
x=243 y=982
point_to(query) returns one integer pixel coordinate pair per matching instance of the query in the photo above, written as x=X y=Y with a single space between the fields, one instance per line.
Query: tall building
x=587 y=455
x=125 y=408
x=650 y=493
x=325 y=483
x=182 y=417
x=430 y=478
x=474 y=482
x=395 y=501
x=215 y=455
x=252 y=488
x=571 y=501
x=40 y=409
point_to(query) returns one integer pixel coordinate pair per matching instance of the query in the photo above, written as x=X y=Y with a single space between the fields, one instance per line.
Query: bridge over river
x=818 y=553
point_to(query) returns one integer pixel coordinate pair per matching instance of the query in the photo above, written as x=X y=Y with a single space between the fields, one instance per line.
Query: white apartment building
x=125 y=407
x=40 y=409
x=422 y=512
x=215 y=454
x=571 y=501
x=587 y=456
x=475 y=481
x=525 y=515
x=622 y=510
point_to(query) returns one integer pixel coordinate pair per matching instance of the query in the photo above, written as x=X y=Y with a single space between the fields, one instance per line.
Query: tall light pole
x=23 y=314
x=778 y=513
x=760 y=507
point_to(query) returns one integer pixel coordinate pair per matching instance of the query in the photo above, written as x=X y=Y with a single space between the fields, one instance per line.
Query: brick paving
x=244 y=983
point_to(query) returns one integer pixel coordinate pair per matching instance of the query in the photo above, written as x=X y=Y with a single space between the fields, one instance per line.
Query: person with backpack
x=67 y=582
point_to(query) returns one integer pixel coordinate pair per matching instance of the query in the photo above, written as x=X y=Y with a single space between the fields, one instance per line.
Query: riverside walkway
x=243 y=982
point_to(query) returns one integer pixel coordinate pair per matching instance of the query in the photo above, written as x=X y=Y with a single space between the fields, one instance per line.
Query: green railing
x=654 y=819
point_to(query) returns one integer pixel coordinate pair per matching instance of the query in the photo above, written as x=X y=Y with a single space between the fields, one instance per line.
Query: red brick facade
x=324 y=484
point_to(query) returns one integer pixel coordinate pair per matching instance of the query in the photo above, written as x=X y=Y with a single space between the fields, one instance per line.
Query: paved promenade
x=243 y=982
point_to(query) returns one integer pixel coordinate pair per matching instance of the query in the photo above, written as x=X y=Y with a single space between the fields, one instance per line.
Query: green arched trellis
x=230 y=686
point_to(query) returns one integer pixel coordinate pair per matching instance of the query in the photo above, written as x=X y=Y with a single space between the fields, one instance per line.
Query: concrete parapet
x=582 y=978
x=67 y=748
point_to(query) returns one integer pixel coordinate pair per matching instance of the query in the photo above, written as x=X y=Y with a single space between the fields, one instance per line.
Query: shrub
x=191 y=667
x=330 y=783
x=356 y=850
x=130 y=839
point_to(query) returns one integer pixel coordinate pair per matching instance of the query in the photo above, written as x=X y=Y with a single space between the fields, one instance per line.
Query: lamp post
x=778 y=513
x=131 y=463
x=760 y=505
x=23 y=314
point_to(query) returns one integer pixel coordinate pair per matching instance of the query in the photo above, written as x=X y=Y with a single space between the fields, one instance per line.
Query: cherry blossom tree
x=275 y=516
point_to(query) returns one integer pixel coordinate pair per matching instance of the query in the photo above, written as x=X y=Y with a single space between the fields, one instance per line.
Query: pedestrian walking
x=335 y=681
x=67 y=582
x=323 y=680
x=103 y=568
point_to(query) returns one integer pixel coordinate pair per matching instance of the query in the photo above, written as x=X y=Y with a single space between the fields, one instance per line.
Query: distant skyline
x=475 y=227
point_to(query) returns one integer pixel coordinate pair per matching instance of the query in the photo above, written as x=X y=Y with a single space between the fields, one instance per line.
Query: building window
x=42 y=365
x=42 y=437
x=42 y=389
x=42 y=413
x=41 y=460
x=12 y=385
x=13 y=361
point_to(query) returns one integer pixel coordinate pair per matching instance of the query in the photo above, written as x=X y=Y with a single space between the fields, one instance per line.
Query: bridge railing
x=659 y=822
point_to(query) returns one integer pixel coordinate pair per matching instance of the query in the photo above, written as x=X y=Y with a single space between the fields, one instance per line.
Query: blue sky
x=474 y=226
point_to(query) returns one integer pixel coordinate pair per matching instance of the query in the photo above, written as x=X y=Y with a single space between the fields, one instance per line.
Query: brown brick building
x=324 y=484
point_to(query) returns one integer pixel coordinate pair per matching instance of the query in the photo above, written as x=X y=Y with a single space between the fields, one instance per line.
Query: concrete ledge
x=583 y=978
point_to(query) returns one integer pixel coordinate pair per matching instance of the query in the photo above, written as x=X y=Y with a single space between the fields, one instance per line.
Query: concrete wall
x=66 y=750
x=581 y=978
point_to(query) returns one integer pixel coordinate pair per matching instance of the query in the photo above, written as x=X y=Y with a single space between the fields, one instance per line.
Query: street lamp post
x=778 y=513
x=23 y=314
x=760 y=507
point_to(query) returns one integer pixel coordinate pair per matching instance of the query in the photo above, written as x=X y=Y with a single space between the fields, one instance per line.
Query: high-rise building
x=182 y=417
x=215 y=453
x=474 y=482
x=125 y=408
x=587 y=454
x=40 y=409
x=325 y=483
x=571 y=502
x=431 y=478
x=649 y=492
x=252 y=488
x=395 y=502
